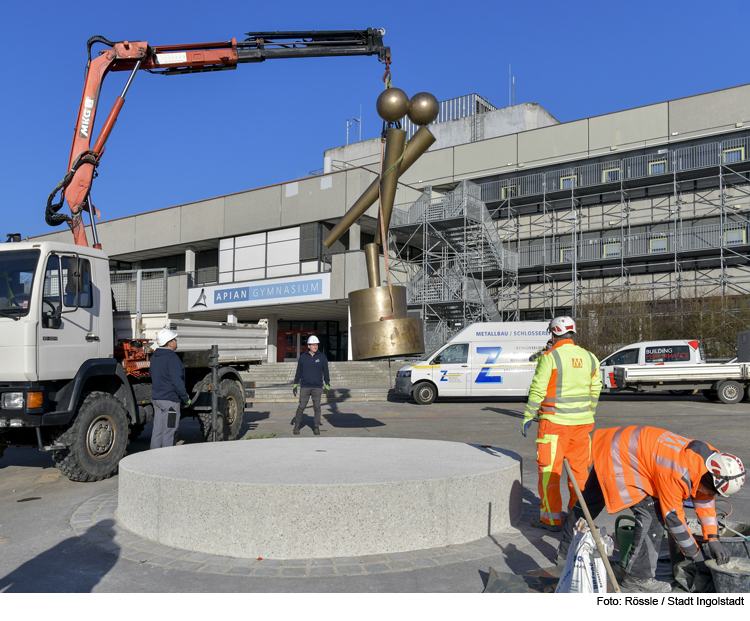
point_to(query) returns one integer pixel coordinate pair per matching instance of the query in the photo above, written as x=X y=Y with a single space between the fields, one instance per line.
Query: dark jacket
x=167 y=376
x=311 y=370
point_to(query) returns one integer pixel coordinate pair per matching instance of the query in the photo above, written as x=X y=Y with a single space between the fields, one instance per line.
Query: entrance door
x=291 y=343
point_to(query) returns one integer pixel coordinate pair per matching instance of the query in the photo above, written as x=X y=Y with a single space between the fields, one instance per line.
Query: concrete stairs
x=350 y=381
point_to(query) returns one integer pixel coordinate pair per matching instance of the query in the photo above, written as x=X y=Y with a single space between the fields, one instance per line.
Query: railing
x=453 y=109
x=150 y=286
x=667 y=161
x=685 y=239
x=466 y=201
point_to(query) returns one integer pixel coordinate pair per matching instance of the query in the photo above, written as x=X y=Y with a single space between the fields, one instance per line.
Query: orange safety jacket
x=634 y=462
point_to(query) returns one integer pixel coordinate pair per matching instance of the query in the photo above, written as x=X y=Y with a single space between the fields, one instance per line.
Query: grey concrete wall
x=709 y=112
x=631 y=128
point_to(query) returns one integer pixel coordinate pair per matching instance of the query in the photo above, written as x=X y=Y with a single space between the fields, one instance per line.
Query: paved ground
x=59 y=536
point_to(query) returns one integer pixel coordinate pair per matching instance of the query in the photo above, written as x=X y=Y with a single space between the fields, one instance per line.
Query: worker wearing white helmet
x=167 y=389
x=564 y=393
x=654 y=472
x=312 y=374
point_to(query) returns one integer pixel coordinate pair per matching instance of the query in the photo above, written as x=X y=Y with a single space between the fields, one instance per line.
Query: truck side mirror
x=75 y=277
x=53 y=322
x=437 y=360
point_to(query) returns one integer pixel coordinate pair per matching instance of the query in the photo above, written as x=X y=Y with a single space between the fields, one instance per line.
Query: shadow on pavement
x=346 y=420
x=504 y=412
x=68 y=567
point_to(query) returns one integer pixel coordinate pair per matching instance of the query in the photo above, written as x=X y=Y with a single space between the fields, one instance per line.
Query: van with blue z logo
x=482 y=360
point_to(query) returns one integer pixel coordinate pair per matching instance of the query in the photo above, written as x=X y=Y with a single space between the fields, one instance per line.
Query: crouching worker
x=652 y=471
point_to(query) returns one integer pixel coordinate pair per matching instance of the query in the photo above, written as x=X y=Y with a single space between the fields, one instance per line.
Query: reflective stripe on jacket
x=566 y=386
x=634 y=462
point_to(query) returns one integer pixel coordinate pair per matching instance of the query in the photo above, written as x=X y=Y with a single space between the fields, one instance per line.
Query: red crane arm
x=175 y=59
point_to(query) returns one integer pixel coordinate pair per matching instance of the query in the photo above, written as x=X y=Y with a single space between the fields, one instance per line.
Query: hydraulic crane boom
x=172 y=60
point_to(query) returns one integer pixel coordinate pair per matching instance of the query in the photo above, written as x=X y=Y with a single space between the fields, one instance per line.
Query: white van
x=672 y=353
x=483 y=360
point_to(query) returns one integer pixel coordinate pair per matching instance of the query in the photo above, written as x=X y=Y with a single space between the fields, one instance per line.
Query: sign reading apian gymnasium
x=261 y=292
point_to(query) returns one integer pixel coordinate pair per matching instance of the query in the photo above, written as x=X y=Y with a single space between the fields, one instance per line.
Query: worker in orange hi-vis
x=564 y=392
x=653 y=471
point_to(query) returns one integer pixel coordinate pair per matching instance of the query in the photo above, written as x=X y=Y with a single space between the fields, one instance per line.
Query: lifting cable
x=50 y=215
x=383 y=175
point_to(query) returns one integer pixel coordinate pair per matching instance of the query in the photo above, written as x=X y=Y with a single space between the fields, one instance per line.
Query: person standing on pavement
x=653 y=472
x=564 y=392
x=167 y=389
x=312 y=375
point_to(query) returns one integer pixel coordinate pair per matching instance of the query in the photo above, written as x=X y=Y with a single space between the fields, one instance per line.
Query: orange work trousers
x=553 y=443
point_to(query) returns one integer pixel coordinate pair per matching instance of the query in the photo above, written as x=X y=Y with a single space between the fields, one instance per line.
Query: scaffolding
x=673 y=224
x=457 y=264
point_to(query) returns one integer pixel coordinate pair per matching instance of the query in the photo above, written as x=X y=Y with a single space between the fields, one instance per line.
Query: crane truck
x=68 y=384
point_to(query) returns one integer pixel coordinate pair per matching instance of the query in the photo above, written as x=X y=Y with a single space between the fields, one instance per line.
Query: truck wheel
x=233 y=407
x=730 y=392
x=424 y=393
x=229 y=420
x=711 y=395
x=96 y=439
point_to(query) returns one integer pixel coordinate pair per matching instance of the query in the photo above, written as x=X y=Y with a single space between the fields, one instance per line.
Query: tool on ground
x=624 y=536
x=594 y=532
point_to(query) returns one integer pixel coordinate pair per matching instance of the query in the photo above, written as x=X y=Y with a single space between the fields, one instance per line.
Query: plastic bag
x=584 y=568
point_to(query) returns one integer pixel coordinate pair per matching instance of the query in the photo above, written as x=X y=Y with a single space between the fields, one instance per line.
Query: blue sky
x=186 y=138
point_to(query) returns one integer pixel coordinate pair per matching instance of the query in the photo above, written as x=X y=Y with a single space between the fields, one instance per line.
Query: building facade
x=510 y=215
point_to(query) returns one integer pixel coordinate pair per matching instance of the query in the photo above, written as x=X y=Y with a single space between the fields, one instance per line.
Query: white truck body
x=238 y=342
x=483 y=360
x=675 y=353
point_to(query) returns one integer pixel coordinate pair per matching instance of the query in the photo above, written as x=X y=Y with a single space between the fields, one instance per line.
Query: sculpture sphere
x=423 y=108
x=392 y=105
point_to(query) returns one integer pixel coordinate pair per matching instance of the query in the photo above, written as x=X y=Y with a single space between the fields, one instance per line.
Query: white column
x=349 y=338
x=354 y=237
x=232 y=316
x=271 y=349
x=190 y=259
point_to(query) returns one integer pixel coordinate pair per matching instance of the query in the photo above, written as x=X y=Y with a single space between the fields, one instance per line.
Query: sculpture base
x=294 y=498
x=393 y=337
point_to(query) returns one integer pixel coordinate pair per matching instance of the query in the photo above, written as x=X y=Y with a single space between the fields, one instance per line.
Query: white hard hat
x=561 y=325
x=165 y=335
x=728 y=472
x=313 y=340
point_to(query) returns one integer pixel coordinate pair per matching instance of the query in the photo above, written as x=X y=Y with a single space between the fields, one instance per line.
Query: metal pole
x=213 y=363
x=138 y=313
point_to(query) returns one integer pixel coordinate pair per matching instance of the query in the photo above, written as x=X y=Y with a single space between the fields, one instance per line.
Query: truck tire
x=229 y=421
x=730 y=392
x=135 y=431
x=96 y=440
x=711 y=395
x=424 y=393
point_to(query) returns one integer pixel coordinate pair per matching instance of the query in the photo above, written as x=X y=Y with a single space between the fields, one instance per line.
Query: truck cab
x=647 y=353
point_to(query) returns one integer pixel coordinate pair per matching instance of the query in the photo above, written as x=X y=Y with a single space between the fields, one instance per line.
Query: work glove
x=294 y=390
x=190 y=402
x=526 y=425
x=328 y=388
x=719 y=552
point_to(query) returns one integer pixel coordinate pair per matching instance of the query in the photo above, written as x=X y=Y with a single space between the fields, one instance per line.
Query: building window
x=508 y=192
x=567 y=183
x=611 y=250
x=657 y=168
x=660 y=244
x=566 y=255
x=734 y=155
x=734 y=238
x=610 y=175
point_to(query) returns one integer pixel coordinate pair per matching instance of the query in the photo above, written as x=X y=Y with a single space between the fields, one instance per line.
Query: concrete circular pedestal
x=319 y=497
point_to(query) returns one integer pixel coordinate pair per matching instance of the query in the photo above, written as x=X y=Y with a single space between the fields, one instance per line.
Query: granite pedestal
x=319 y=497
